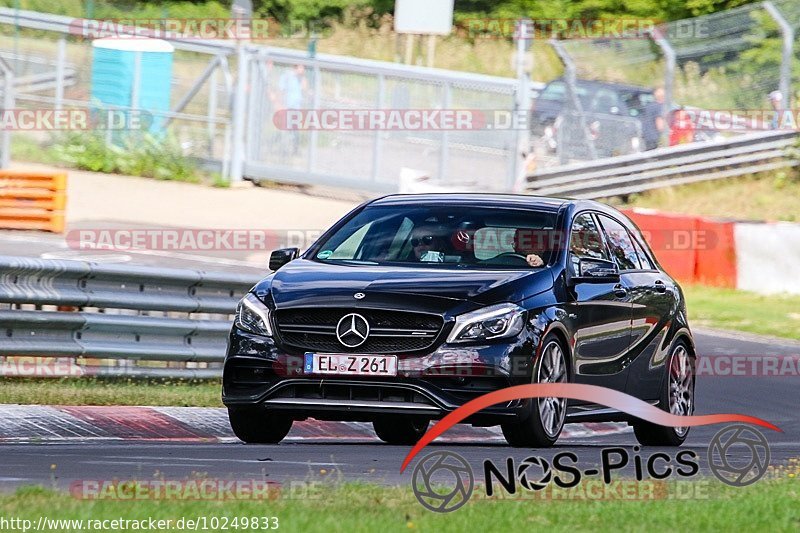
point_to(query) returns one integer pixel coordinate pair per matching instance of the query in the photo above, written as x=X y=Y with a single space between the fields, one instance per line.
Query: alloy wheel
x=553 y=369
x=681 y=386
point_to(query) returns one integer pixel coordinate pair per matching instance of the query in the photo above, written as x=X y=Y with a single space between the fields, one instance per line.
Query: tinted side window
x=644 y=260
x=585 y=241
x=620 y=243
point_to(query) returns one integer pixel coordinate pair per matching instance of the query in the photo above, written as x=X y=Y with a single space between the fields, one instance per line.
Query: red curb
x=133 y=422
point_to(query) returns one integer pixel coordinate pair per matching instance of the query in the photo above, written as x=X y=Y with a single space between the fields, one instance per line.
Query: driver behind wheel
x=427 y=245
x=528 y=243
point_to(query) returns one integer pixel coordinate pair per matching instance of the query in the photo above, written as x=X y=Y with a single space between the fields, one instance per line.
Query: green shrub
x=147 y=155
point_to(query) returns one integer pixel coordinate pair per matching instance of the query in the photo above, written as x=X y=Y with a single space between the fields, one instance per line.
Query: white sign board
x=423 y=17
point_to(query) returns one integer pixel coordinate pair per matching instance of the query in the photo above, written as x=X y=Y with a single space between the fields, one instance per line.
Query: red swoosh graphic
x=575 y=391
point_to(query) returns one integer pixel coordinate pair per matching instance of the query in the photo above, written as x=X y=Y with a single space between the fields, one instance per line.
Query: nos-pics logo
x=443 y=481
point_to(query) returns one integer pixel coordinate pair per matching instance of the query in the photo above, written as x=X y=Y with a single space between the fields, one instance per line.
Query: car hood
x=305 y=283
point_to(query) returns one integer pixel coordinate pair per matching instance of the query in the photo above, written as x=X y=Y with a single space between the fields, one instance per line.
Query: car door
x=650 y=294
x=600 y=312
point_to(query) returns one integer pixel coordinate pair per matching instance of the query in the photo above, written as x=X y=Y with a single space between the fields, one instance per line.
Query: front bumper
x=258 y=373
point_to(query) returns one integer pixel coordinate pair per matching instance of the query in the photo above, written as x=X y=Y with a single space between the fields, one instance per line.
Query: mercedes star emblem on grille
x=352 y=330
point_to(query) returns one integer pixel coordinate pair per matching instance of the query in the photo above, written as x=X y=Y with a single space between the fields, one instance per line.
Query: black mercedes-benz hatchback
x=412 y=305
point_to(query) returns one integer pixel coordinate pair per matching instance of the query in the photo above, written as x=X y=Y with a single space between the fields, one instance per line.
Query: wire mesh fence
x=715 y=69
x=372 y=157
x=54 y=71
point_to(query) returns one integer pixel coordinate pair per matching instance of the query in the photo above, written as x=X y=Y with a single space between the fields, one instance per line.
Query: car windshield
x=465 y=236
x=637 y=100
x=557 y=91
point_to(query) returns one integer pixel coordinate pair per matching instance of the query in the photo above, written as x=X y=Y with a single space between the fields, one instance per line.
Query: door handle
x=660 y=286
x=620 y=291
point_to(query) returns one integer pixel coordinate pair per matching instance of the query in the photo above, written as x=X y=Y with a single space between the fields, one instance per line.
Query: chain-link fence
x=52 y=62
x=372 y=158
x=7 y=84
x=696 y=76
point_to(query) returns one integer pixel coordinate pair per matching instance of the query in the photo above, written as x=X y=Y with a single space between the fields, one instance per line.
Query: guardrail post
x=444 y=154
x=8 y=103
x=787 y=32
x=314 y=133
x=377 y=141
x=669 y=75
x=61 y=60
x=522 y=103
x=239 y=115
x=211 y=124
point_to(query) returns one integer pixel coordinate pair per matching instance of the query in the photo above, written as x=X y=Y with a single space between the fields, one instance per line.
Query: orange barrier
x=673 y=238
x=691 y=249
x=715 y=260
x=32 y=200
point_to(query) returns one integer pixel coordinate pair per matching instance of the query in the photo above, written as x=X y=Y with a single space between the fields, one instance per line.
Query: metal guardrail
x=666 y=167
x=109 y=312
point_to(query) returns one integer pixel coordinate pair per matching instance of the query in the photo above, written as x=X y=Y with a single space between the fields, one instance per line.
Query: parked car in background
x=612 y=112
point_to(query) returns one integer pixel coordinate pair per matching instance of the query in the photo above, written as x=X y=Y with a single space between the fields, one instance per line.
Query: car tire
x=677 y=397
x=543 y=425
x=400 y=429
x=257 y=426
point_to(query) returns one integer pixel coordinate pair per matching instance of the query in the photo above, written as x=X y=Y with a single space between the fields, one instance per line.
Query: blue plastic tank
x=113 y=76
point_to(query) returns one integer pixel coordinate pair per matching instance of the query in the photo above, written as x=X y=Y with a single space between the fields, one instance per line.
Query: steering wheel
x=515 y=258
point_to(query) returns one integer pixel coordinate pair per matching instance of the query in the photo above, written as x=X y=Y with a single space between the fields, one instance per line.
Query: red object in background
x=691 y=249
x=681 y=128
x=715 y=263
x=672 y=238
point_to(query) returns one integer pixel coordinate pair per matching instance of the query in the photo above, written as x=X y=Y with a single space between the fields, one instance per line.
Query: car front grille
x=314 y=329
x=378 y=392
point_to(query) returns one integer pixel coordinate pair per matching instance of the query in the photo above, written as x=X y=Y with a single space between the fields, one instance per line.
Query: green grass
x=96 y=391
x=772 y=196
x=26 y=148
x=765 y=506
x=777 y=316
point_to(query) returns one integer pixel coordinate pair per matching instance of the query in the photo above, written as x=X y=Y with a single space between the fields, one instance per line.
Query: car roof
x=613 y=85
x=490 y=200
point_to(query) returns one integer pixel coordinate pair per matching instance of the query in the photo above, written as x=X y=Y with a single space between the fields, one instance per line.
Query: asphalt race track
x=35 y=454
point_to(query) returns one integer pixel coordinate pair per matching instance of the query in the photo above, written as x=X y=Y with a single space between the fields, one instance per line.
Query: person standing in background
x=681 y=129
x=653 y=123
x=292 y=88
x=776 y=101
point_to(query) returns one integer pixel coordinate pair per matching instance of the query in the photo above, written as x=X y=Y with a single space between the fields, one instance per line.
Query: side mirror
x=278 y=258
x=596 y=271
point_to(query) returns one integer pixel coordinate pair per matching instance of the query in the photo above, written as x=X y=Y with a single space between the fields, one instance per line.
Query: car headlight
x=493 y=322
x=253 y=316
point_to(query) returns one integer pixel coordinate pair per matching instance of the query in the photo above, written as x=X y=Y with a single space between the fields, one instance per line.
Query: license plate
x=350 y=364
